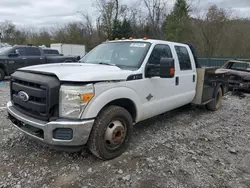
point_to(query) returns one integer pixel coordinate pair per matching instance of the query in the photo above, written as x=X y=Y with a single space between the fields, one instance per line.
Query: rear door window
x=183 y=57
x=54 y=52
x=31 y=51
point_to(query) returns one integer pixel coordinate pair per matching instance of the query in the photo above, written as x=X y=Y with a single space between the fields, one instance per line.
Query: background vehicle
x=14 y=57
x=69 y=49
x=118 y=84
x=239 y=72
x=49 y=51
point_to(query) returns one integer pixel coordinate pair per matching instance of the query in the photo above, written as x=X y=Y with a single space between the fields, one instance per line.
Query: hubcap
x=114 y=134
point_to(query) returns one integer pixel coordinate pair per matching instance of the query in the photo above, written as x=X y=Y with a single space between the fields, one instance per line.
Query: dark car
x=49 y=51
x=15 y=57
x=239 y=74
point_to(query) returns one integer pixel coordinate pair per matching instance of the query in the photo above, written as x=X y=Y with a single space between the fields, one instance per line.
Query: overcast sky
x=53 y=12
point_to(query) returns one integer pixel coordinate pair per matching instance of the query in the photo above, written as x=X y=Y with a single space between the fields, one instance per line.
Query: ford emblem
x=23 y=96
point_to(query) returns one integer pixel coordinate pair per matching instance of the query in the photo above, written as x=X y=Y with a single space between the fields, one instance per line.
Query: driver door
x=17 y=61
x=160 y=94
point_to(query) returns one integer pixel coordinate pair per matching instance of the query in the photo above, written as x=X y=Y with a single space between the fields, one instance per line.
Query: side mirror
x=167 y=68
x=13 y=55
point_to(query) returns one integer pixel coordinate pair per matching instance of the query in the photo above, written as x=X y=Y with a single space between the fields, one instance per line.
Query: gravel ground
x=188 y=147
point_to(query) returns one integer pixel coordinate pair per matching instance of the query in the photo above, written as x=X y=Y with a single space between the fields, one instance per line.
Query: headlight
x=74 y=99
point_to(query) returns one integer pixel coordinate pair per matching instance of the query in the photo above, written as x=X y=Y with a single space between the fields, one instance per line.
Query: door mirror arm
x=152 y=70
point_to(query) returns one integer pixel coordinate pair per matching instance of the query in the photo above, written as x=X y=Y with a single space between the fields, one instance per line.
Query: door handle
x=176 y=81
x=193 y=78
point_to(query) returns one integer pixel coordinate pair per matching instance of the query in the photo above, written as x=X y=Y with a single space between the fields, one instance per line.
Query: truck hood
x=242 y=74
x=80 y=72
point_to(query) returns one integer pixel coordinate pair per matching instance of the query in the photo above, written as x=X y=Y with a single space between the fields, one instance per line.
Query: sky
x=55 y=12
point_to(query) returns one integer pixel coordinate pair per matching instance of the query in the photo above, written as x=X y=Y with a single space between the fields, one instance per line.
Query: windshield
x=122 y=54
x=5 y=50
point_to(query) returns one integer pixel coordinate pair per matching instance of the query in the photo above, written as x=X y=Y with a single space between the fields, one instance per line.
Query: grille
x=37 y=104
x=43 y=92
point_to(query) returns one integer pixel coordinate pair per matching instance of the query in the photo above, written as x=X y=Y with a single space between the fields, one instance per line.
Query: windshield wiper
x=102 y=63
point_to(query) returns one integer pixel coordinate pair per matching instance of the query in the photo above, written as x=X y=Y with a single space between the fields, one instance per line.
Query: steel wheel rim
x=218 y=101
x=115 y=134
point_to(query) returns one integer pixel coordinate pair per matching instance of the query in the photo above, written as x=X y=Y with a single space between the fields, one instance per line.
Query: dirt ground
x=188 y=147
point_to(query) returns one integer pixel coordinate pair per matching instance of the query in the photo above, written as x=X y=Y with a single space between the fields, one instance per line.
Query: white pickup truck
x=96 y=101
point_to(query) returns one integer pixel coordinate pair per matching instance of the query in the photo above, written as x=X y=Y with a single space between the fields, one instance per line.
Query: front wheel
x=111 y=133
x=2 y=74
x=215 y=104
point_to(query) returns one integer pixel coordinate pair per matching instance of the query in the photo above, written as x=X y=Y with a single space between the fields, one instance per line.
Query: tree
x=176 y=23
x=108 y=11
x=123 y=29
x=8 y=31
x=156 y=13
x=213 y=27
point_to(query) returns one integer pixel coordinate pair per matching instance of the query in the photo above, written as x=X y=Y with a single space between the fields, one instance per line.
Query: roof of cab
x=152 y=41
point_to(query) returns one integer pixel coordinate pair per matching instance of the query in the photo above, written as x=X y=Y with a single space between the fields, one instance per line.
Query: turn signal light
x=171 y=71
x=87 y=97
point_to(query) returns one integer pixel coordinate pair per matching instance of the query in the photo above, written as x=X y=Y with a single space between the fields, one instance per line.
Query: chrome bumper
x=80 y=129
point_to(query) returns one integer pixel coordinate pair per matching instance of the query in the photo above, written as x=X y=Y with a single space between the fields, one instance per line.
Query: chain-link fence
x=216 y=62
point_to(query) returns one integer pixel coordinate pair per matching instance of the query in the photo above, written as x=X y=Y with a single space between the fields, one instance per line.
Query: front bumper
x=45 y=131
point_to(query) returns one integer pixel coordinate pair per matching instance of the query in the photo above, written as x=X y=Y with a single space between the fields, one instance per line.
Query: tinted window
x=21 y=51
x=240 y=66
x=184 y=59
x=33 y=51
x=46 y=51
x=54 y=52
x=159 y=51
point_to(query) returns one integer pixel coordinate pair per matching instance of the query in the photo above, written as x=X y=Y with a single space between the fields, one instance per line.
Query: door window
x=184 y=58
x=33 y=51
x=20 y=51
x=159 y=51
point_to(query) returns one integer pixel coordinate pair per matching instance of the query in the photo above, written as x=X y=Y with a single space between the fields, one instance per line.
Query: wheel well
x=127 y=104
x=2 y=67
x=222 y=88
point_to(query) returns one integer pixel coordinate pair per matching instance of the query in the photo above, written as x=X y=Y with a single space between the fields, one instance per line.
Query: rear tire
x=111 y=133
x=216 y=103
x=2 y=74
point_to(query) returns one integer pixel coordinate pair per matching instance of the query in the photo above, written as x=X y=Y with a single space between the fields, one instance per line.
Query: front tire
x=2 y=74
x=216 y=103
x=111 y=133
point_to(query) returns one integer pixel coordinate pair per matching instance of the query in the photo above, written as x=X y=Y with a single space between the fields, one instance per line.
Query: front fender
x=97 y=103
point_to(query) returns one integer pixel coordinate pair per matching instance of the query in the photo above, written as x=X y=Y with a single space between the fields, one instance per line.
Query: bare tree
x=108 y=12
x=213 y=28
x=156 y=14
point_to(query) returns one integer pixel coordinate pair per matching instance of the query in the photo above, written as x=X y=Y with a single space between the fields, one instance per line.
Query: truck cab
x=97 y=101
